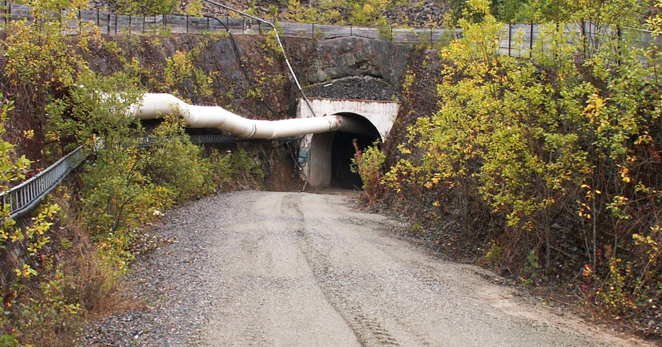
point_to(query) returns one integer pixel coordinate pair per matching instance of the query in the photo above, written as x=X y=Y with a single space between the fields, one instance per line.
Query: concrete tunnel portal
x=326 y=157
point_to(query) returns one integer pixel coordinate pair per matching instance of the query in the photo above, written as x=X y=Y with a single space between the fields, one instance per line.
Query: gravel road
x=299 y=269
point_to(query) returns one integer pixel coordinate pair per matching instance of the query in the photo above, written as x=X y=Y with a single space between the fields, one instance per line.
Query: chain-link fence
x=520 y=40
x=114 y=24
x=516 y=39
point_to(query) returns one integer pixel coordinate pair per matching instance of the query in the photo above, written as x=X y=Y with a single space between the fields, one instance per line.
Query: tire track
x=369 y=330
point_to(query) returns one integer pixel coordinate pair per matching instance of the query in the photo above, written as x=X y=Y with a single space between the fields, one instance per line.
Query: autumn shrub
x=46 y=311
x=61 y=278
x=385 y=30
x=68 y=105
x=39 y=64
x=181 y=77
x=369 y=165
x=194 y=8
x=48 y=317
x=562 y=150
x=367 y=13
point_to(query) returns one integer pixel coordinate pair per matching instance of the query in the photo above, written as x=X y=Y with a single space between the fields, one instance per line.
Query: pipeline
x=155 y=106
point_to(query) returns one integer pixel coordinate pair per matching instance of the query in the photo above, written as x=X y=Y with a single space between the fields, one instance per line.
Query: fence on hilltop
x=516 y=39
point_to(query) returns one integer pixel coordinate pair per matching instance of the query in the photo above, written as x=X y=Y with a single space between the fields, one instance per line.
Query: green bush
x=236 y=169
x=39 y=315
x=369 y=164
x=175 y=163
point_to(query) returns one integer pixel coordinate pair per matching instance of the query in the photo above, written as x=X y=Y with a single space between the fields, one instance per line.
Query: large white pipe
x=155 y=106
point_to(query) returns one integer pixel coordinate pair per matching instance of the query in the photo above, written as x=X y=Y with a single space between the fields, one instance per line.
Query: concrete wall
x=317 y=148
x=318 y=167
x=381 y=114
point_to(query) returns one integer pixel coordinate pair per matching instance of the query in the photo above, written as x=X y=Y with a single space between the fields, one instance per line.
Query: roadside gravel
x=298 y=269
x=169 y=285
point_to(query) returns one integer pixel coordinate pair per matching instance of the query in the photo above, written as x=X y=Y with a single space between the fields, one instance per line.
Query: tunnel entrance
x=342 y=152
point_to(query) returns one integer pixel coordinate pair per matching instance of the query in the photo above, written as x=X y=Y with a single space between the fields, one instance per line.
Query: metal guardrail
x=200 y=139
x=196 y=139
x=25 y=196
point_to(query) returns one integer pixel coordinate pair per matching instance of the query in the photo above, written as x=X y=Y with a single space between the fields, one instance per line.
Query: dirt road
x=297 y=269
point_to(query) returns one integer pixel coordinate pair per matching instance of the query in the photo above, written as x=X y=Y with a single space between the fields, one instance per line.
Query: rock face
x=334 y=59
x=349 y=68
x=355 y=88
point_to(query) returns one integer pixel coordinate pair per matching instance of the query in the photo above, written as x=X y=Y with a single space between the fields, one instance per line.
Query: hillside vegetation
x=65 y=262
x=547 y=168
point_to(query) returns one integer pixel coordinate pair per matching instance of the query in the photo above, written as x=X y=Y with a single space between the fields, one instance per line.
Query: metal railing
x=200 y=139
x=25 y=196
x=195 y=139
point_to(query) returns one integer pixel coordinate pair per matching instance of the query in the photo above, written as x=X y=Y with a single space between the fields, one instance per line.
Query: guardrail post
x=531 y=41
x=312 y=32
x=143 y=24
x=557 y=32
x=116 y=25
x=620 y=37
x=351 y=30
x=130 y=17
x=187 y=24
x=510 y=37
x=108 y=26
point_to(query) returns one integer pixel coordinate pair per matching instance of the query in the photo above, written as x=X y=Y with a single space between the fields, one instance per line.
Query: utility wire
x=237 y=54
x=296 y=81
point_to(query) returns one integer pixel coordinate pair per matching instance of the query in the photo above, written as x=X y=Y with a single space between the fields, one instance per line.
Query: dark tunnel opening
x=343 y=151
